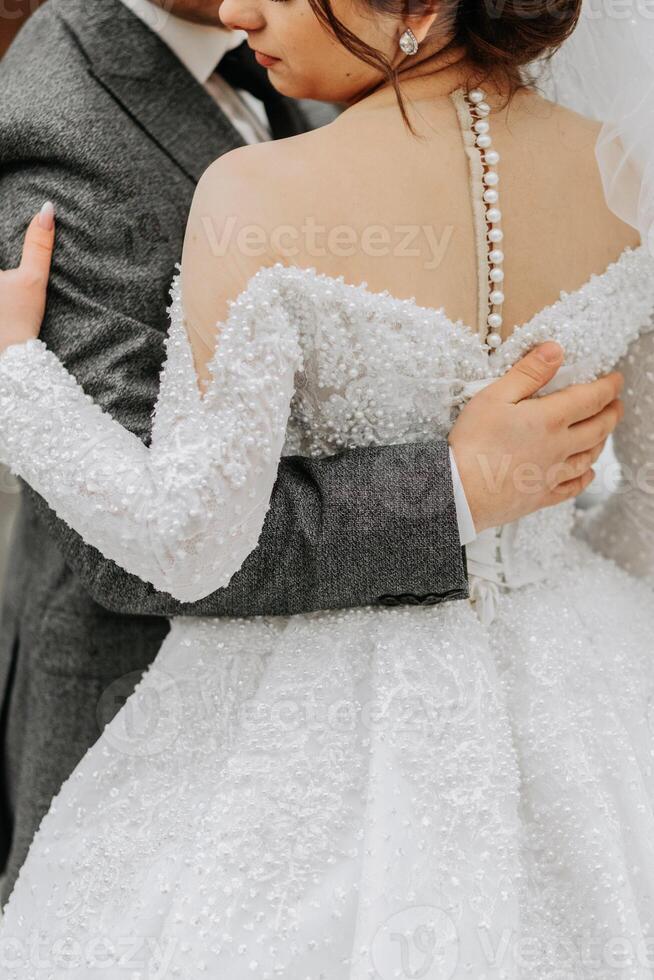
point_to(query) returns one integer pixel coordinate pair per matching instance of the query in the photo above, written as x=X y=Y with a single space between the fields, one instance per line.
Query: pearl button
x=493 y=215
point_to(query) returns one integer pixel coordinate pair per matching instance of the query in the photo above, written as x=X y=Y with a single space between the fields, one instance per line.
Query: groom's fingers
x=39 y=245
x=574 y=466
x=585 y=435
x=582 y=401
x=530 y=374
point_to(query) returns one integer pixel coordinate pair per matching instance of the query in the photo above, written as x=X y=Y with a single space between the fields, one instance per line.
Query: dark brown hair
x=500 y=36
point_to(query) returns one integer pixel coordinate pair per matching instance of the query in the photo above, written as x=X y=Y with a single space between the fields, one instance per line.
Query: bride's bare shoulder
x=247 y=213
x=265 y=173
x=570 y=140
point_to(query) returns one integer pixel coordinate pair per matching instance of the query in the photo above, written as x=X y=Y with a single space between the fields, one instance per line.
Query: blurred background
x=13 y=13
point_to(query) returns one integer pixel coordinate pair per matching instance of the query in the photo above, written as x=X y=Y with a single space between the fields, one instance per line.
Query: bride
x=459 y=791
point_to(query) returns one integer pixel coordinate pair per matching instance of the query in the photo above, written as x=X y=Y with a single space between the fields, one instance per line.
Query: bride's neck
x=436 y=72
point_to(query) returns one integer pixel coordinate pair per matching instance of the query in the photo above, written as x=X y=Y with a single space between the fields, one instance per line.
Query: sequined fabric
x=375 y=794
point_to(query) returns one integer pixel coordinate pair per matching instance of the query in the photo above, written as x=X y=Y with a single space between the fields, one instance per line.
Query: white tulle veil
x=606 y=71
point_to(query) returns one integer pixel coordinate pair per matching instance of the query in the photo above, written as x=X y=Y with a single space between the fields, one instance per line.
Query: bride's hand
x=23 y=290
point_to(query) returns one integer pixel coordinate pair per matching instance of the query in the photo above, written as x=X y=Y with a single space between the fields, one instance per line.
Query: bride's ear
x=421 y=24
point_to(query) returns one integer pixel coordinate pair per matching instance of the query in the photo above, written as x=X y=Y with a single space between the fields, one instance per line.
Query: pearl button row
x=480 y=109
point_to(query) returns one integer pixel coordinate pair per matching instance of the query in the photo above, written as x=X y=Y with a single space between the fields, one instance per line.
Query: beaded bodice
x=379 y=370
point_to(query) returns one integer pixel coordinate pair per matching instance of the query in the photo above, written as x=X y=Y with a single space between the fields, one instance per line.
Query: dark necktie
x=240 y=70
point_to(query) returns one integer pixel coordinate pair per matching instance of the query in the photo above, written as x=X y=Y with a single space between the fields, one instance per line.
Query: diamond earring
x=409 y=42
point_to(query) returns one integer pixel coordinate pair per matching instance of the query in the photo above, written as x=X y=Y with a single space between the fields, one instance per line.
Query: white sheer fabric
x=605 y=70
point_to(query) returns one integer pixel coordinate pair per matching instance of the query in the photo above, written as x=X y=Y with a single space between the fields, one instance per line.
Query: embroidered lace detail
x=380 y=369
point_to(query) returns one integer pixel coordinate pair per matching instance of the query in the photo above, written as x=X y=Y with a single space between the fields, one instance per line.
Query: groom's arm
x=363 y=527
x=369 y=526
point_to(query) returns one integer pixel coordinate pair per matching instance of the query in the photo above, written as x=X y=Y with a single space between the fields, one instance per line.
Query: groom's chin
x=197 y=11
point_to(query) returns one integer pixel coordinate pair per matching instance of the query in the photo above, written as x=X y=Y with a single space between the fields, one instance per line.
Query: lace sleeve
x=184 y=513
x=622 y=528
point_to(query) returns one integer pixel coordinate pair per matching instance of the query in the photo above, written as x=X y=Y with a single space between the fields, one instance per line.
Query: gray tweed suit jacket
x=98 y=115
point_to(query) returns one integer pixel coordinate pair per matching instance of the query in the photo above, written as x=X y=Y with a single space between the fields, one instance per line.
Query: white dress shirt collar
x=198 y=46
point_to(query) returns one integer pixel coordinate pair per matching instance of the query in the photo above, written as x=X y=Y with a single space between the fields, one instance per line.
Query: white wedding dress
x=454 y=791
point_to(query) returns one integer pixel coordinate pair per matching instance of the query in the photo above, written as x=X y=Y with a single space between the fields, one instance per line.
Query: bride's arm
x=185 y=513
x=343 y=531
x=622 y=528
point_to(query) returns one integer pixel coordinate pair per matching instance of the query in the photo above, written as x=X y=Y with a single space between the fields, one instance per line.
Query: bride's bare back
x=366 y=199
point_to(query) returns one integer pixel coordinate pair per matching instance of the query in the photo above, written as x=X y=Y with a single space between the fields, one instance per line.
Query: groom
x=113 y=109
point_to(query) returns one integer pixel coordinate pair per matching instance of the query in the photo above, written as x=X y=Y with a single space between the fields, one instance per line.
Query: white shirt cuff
x=467 y=531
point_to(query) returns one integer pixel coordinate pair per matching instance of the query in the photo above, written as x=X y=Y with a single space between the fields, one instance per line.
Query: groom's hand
x=517 y=454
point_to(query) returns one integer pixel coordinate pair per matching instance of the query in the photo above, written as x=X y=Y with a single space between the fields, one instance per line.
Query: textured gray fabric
x=98 y=115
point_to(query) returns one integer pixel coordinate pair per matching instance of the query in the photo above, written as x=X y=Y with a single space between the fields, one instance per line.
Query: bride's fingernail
x=47 y=216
